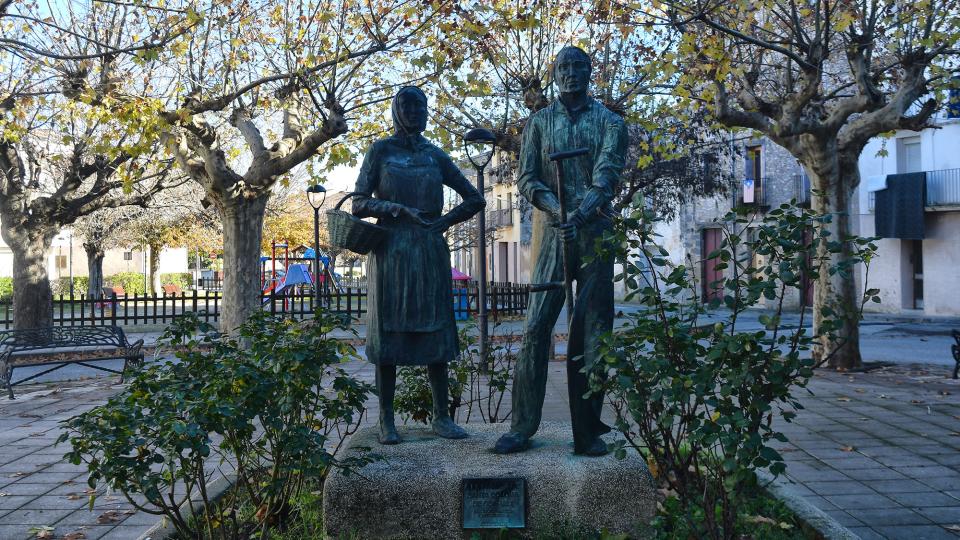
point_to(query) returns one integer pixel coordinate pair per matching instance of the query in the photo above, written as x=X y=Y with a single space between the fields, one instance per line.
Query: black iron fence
x=135 y=309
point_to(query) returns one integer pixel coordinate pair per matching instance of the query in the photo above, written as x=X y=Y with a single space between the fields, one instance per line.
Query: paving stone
x=24 y=488
x=916 y=532
x=923 y=499
x=15 y=532
x=843 y=518
x=897 y=486
x=838 y=488
x=879 y=473
x=933 y=471
x=124 y=533
x=890 y=516
x=816 y=476
x=943 y=515
x=864 y=501
x=12 y=502
x=941 y=482
x=34 y=516
x=866 y=533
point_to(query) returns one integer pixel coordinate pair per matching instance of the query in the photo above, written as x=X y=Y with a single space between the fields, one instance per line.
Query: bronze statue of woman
x=410 y=317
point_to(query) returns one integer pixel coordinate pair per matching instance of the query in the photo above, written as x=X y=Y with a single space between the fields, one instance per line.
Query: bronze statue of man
x=410 y=297
x=573 y=121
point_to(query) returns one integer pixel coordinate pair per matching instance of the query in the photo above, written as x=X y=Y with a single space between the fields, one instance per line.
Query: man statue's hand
x=568 y=231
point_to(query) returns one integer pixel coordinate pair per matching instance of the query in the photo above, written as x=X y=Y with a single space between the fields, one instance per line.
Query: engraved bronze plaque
x=494 y=503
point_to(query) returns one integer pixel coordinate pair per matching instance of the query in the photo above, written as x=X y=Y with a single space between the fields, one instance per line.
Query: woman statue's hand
x=439 y=225
x=415 y=215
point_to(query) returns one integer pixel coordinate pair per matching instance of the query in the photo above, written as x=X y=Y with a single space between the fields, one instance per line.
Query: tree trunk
x=32 y=295
x=94 y=269
x=834 y=180
x=242 y=234
x=155 y=249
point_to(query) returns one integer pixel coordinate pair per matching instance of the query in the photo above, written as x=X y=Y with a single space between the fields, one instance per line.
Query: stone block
x=415 y=491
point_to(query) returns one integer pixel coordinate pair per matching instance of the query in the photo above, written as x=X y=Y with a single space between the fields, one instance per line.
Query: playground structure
x=291 y=275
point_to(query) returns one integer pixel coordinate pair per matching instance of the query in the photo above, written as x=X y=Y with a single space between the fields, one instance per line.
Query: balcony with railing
x=943 y=188
x=801 y=189
x=500 y=218
x=759 y=200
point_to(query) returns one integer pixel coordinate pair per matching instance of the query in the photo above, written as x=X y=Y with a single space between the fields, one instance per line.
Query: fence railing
x=135 y=309
x=943 y=187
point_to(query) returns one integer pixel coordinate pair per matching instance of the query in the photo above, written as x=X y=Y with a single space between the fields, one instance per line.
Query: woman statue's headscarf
x=398 y=125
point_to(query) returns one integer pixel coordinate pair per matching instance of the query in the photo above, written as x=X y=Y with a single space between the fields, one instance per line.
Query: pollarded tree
x=288 y=77
x=68 y=73
x=101 y=230
x=820 y=78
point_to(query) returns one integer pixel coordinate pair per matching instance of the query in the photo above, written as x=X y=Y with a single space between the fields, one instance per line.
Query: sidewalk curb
x=164 y=529
x=830 y=528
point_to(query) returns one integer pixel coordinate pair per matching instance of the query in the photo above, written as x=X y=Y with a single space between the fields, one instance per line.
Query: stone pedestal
x=415 y=490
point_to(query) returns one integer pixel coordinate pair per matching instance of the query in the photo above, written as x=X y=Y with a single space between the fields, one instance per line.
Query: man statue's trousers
x=592 y=318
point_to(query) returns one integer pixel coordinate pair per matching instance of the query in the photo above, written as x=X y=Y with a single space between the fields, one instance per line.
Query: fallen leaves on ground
x=74 y=497
x=108 y=517
x=844 y=399
x=847 y=448
x=43 y=531
x=74 y=536
x=955 y=528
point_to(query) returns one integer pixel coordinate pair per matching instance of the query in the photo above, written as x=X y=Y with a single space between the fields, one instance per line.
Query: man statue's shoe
x=511 y=443
x=446 y=428
x=596 y=448
x=388 y=435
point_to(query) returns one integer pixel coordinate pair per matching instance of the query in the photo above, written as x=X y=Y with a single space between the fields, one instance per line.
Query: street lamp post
x=481 y=140
x=316 y=195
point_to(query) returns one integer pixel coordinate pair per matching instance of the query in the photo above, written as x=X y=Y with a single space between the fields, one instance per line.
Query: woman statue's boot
x=386 y=388
x=443 y=425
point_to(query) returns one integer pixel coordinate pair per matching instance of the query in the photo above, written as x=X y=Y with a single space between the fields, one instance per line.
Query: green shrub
x=62 y=286
x=6 y=288
x=184 y=280
x=132 y=282
x=476 y=391
x=699 y=399
x=275 y=397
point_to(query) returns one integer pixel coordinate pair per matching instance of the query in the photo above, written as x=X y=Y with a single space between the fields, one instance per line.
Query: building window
x=128 y=255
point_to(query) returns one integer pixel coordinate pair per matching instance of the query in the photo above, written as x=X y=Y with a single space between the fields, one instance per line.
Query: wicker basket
x=350 y=232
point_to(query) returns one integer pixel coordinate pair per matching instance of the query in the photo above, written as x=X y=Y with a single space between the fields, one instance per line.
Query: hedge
x=182 y=279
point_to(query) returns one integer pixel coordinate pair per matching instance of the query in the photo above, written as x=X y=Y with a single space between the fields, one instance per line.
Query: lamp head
x=479 y=138
x=316 y=195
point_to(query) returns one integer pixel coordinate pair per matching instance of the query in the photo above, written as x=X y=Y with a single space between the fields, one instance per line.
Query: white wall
x=939 y=149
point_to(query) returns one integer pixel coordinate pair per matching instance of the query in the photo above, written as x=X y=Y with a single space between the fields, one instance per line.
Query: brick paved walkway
x=38 y=488
x=878 y=451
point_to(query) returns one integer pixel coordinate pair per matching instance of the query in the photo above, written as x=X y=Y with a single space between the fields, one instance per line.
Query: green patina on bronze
x=410 y=319
x=573 y=121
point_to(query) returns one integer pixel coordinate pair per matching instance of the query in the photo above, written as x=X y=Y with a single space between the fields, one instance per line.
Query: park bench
x=61 y=346
x=955 y=349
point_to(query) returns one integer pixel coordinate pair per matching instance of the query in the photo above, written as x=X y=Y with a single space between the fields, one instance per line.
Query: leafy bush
x=132 y=282
x=62 y=286
x=476 y=388
x=6 y=288
x=271 y=403
x=184 y=280
x=699 y=397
